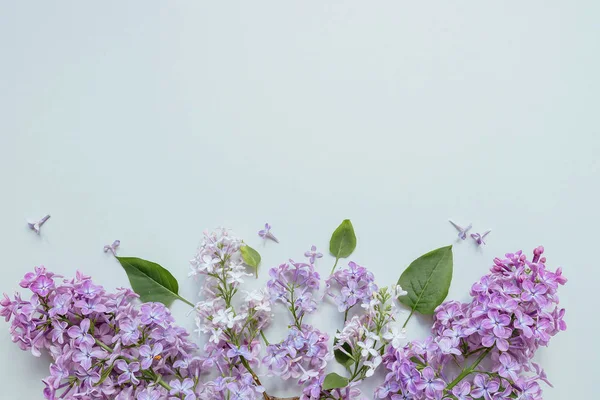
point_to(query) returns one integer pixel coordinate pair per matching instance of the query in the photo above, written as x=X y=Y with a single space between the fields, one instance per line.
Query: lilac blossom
x=313 y=254
x=98 y=347
x=462 y=232
x=351 y=286
x=112 y=247
x=266 y=233
x=479 y=237
x=36 y=226
x=514 y=310
x=232 y=347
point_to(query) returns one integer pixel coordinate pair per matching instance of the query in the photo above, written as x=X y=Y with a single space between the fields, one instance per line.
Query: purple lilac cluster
x=103 y=345
x=303 y=354
x=513 y=312
x=232 y=349
x=293 y=284
x=351 y=286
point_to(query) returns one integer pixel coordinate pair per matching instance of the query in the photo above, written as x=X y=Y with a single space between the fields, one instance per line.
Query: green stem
x=334 y=265
x=105 y=347
x=186 y=301
x=162 y=383
x=468 y=370
x=407 y=319
x=264 y=338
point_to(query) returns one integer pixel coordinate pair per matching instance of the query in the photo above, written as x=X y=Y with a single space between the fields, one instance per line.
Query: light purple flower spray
x=266 y=233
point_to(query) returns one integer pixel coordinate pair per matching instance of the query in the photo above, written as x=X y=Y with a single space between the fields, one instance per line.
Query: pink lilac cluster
x=514 y=310
x=351 y=286
x=103 y=345
x=232 y=349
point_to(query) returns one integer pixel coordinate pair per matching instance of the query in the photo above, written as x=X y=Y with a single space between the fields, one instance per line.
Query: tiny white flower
x=398 y=291
x=215 y=337
x=395 y=336
x=372 y=365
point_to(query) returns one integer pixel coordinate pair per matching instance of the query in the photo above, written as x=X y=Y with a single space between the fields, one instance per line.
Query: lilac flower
x=36 y=226
x=91 y=305
x=356 y=286
x=80 y=333
x=302 y=355
x=432 y=385
x=266 y=233
x=241 y=351
x=479 y=237
x=148 y=354
x=181 y=387
x=523 y=323
x=129 y=332
x=85 y=353
x=462 y=232
x=388 y=389
x=541 y=375
x=462 y=391
x=509 y=368
x=88 y=290
x=498 y=323
x=62 y=304
x=128 y=372
x=149 y=394
x=82 y=352
x=112 y=247
x=153 y=313
x=535 y=292
x=59 y=331
x=514 y=307
x=42 y=286
x=484 y=387
x=395 y=336
x=313 y=254
x=497 y=338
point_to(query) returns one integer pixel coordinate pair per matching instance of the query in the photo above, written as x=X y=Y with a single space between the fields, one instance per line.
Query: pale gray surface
x=151 y=121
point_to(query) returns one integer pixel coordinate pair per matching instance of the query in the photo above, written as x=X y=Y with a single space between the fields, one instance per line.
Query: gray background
x=151 y=121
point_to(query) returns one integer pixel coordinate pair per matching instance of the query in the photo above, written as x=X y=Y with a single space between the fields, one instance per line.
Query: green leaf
x=343 y=241
x=334 y=381
x=151 y=281
x=427 y=280
x=105 y=374
x=250 y=257
x=341 y=357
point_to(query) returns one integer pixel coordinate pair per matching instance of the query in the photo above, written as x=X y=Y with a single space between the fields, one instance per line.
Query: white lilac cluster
x=363 y=340
x=232 y=348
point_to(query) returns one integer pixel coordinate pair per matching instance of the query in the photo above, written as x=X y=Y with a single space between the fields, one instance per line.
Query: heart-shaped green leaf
x=427 y=280
x=334 y=381
x=250 y=257
x=151 y=281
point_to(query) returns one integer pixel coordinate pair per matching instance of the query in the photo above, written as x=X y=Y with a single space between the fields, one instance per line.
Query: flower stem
x=262 y=334
x=466 y=371
x=254 y=376
x=408 y=319
x=334 y=265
